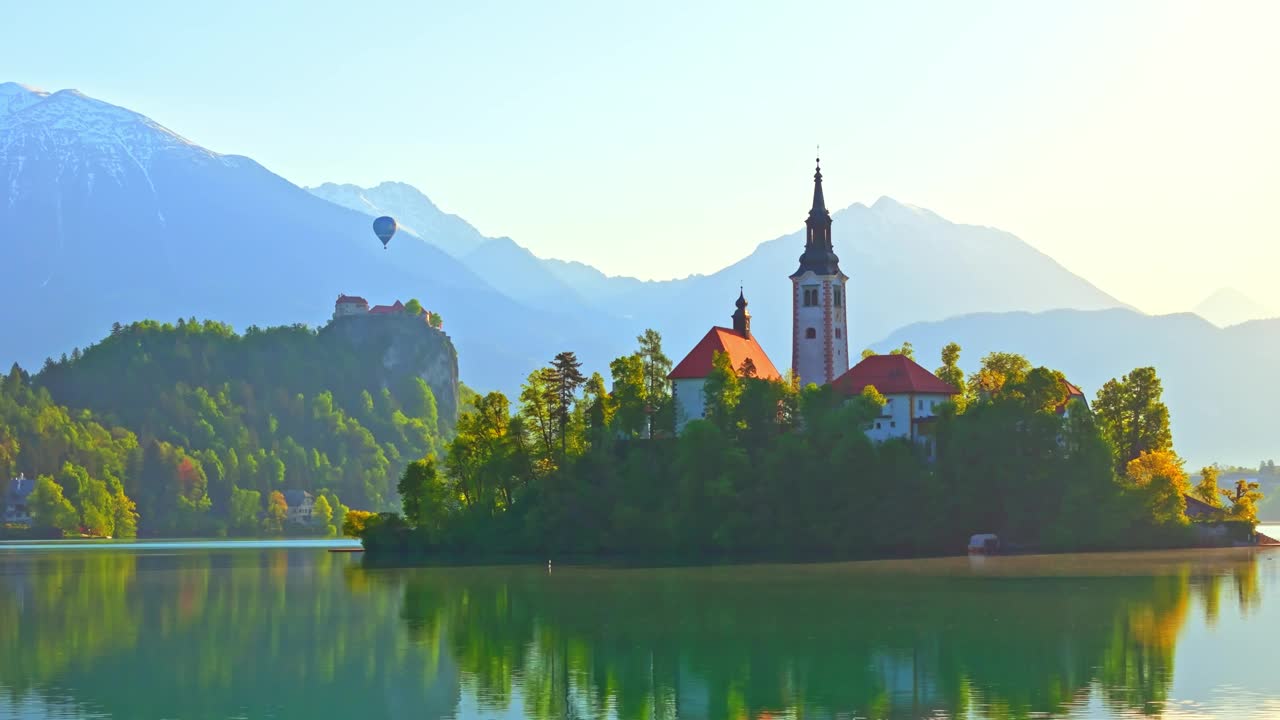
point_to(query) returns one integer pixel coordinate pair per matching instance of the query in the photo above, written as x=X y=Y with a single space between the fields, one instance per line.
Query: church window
x=838 y=333
x=810 y=333
x=810 y=295
x=837 y=296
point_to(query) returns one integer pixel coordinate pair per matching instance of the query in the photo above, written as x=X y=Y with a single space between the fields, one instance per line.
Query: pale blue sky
x=1134 y=141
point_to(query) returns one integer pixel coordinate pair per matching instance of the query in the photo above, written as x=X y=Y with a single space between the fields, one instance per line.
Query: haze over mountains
x=107 y=216
x=1229 y=306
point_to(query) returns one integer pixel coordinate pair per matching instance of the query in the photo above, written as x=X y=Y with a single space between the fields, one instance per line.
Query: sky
x=1135 y=142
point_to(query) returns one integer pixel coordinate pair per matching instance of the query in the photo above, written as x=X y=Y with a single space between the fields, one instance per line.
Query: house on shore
x=16 y=510
x=300 y=503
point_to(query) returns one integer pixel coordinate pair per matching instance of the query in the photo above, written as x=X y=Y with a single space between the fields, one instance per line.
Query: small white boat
x=984 y=544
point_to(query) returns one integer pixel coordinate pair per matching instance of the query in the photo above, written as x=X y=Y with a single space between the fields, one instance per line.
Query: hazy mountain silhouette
x=1230 y=306
x=906 y=264
x=1219 y=383
x=107 y=216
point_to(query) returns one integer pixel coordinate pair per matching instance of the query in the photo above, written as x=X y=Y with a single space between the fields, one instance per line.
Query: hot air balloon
x=384 y=227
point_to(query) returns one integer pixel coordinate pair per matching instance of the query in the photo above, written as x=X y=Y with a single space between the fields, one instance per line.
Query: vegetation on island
x=191 y=429
x=779 y=469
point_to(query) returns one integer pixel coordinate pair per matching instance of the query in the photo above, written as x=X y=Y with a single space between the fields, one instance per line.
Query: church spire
x=742 y=318
x=819 y=256
x=819 y=203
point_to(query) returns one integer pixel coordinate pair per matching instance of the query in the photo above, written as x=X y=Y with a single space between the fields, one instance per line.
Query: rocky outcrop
x=404 y=347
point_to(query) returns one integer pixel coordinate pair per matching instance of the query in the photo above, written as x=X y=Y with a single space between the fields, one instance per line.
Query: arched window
x=810 y=333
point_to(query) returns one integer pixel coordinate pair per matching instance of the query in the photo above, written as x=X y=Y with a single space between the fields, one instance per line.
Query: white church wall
x=690 y=404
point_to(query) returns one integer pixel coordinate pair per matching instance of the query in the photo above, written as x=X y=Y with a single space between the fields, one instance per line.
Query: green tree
x=50 y=508
x=322 y=515
x=567 y=377
x=721 y=391
x=656 y=366
x=905 y=349
x=125 y=516
x=1207 y=489
x=868 y=352
x=950 y=372
x=629 y=396
x=245 y=506
x=413 y=307
x=1132 y=416
x=998 y=370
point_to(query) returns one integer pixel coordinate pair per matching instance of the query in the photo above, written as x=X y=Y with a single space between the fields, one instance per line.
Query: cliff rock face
x=405 y=347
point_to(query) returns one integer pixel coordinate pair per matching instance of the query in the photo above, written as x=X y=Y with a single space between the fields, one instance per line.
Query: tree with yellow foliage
x=1161 y=479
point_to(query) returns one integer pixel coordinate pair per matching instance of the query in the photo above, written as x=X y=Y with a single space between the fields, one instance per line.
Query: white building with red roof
x=689 y=375
x=913 y=395
x=350 y=305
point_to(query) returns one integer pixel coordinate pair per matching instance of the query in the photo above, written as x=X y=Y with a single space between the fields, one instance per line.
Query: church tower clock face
x=819 y=334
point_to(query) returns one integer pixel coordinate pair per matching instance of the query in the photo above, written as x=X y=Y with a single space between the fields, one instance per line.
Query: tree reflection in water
x=306 y=634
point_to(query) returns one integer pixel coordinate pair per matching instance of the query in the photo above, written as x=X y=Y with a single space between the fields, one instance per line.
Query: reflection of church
x=819 y=346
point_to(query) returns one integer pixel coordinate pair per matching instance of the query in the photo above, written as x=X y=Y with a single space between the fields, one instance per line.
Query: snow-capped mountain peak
x=16 y=96
x=82 y=140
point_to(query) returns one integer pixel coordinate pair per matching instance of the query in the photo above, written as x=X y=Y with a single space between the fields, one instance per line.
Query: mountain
x=906 y=264
x=107 y=216
x=543 y=283
x=1219 y=383
x=413 y=211
x=1229 y=306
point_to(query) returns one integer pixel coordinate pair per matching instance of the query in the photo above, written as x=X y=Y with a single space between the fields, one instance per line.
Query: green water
x=172 y=630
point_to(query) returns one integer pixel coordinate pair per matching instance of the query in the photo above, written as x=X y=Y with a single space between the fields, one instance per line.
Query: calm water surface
x=271 y=630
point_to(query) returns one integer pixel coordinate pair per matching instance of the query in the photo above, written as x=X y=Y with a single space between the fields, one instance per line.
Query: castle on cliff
x=354 y=305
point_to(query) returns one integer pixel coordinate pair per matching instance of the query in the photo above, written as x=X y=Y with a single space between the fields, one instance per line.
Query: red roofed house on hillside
x=1074 y=394
x=385 y=309
x=689 y=375
x=913 y=396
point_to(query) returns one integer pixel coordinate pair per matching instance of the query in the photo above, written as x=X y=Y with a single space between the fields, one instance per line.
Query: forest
x=779 y=470
x=191 y=429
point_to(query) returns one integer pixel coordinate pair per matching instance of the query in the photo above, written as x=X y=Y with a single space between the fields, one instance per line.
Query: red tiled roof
x=891 y=375
x=344 y=299
x=1073 y=393
x=697 y=364
x=384 y=309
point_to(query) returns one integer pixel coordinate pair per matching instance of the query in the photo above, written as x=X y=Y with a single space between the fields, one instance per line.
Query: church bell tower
x=819 y=333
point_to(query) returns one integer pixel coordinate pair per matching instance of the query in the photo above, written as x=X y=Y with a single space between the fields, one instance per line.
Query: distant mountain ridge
x=108 y=216
x=1219 y=383
x=1229 y=306
x=906 y=264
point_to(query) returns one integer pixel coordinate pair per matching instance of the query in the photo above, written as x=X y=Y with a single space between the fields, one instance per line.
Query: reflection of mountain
x=304 y=634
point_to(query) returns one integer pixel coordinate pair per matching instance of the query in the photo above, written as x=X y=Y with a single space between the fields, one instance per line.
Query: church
x=819 y=346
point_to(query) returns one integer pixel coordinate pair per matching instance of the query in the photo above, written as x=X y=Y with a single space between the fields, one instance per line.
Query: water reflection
x=305 y=634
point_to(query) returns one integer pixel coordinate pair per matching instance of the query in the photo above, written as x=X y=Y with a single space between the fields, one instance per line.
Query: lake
x=289 y=630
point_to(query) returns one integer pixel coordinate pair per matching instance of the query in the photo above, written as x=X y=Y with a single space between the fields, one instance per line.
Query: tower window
x=810 y=333
x=837 y=296
x=838 y=335
x=810 y=295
